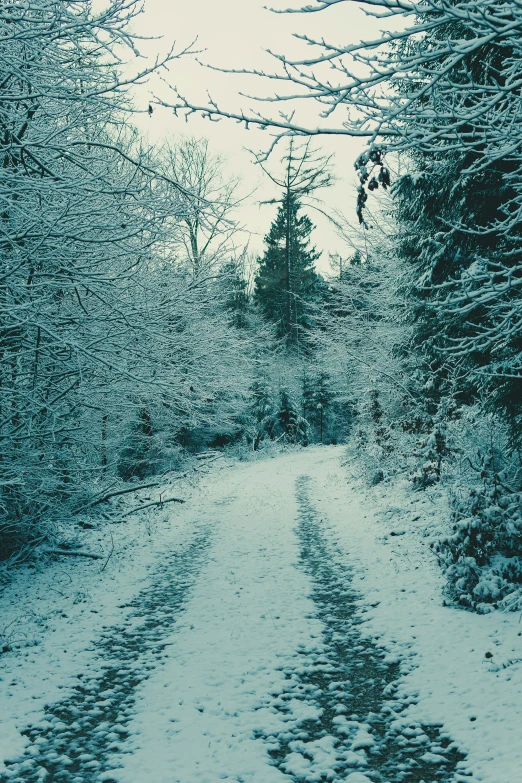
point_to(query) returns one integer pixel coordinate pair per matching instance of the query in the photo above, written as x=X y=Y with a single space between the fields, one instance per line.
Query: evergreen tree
x=262 y=412
x=356 y=259
x=287 y=281
x=308 y=395
x=317 y=401
x=291 y=424
x=236 y=299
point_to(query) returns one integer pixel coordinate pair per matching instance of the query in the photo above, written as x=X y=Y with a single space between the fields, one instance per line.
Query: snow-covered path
x=242 y=658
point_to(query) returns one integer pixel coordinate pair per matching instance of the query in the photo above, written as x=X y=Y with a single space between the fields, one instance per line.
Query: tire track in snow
x=80 y=738
x=358 y=734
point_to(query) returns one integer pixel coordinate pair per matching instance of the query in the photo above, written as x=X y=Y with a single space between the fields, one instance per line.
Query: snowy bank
x=461 y=669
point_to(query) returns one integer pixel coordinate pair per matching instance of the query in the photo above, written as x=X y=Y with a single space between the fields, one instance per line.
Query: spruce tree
x=317 y=401
x=286 y=280
x=291 y=424
x=235 y=293
x=262 y=412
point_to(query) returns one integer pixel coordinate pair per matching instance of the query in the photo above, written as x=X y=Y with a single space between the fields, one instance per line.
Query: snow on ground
x=52 y=613
x=236 y=689
x=198 y=715
x=464 y=669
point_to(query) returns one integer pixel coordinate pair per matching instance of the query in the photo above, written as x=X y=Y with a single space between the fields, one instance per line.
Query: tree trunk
x=288 y=325
x=105 y=420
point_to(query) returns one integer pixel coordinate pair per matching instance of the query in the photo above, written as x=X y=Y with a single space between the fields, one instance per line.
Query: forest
x=138 y=330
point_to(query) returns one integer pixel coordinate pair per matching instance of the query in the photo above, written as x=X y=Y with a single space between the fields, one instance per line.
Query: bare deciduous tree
x=209 y=228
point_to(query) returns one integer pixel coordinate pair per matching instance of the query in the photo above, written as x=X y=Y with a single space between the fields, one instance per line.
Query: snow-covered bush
x=483 y=556
x=435 y=446
x=391 y=434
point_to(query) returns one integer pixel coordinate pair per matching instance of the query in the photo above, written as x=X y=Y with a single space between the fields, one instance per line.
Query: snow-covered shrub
x=380 y=431
x=483 y=556
x=386 y=435
x=434 y=449
x=435 y=446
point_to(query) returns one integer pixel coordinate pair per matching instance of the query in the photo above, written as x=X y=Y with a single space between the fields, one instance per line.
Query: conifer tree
x=286 y=279
x=291 y=424
x=317 y=400
x=236 y=298
x=262 y=412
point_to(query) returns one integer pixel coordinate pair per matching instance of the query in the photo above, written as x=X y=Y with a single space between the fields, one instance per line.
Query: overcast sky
x=236 y=34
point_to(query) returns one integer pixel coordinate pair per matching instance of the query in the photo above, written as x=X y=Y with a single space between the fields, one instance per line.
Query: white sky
x=235 y=34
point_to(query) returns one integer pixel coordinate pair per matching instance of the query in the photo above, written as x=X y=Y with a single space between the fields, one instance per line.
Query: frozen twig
x=154 y=503
x=73 y=553
x=109 y=555
x=118 y=492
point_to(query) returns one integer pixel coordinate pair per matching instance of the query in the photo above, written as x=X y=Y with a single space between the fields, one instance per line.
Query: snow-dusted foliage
x=483 y=555
x=415 y=420
x=109 y=352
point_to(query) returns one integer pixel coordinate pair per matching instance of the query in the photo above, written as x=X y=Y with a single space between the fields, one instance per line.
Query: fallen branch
x=118 y=492
x=200 y=468
x=109 y=555
x=155 y=503
x=73 y=553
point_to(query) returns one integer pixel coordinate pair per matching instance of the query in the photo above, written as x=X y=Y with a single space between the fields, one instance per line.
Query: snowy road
x=241 y=659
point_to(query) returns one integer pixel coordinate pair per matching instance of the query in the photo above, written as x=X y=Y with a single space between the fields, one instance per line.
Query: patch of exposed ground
x=356 y=731
x=82 y=737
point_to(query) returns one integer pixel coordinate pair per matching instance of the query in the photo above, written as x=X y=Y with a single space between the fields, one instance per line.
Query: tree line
x=130 y=334
x=106 y=344
x=136 y=329
x=435 y=102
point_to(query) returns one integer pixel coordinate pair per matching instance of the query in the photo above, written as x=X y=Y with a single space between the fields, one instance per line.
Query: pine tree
x=308 y=395
x=236 y=299
x=262 y=412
